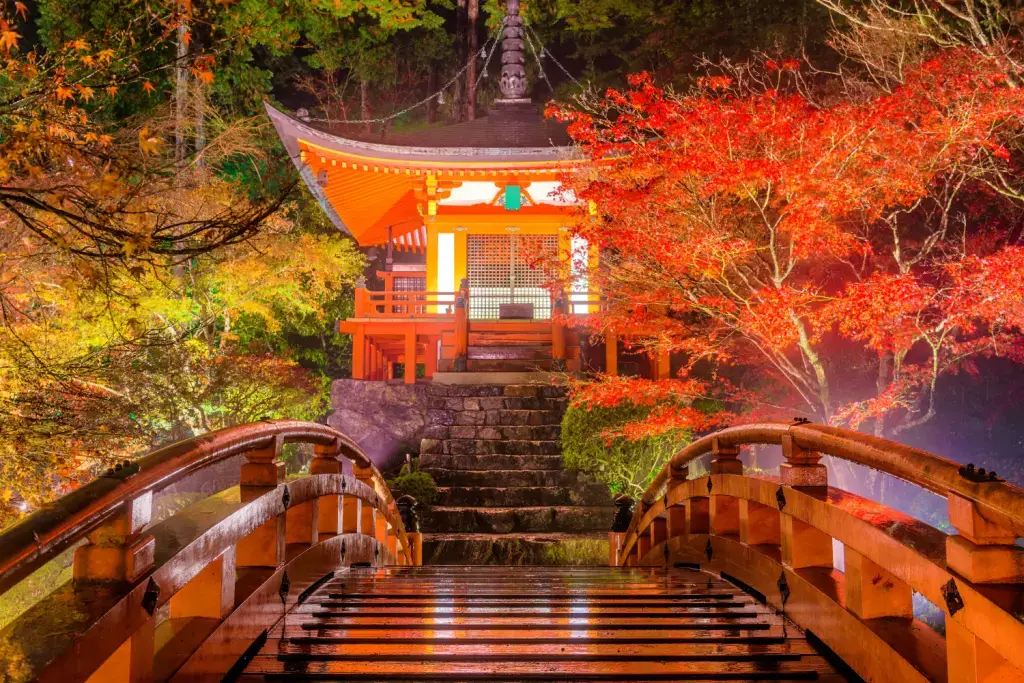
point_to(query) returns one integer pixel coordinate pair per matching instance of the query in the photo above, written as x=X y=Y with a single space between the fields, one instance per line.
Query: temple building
x=465 y=213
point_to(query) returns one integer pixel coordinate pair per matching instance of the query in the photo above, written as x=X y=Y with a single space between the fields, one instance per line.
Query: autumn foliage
x=833 y=257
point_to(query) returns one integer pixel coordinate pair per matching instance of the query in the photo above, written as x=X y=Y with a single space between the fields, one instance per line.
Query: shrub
x=625 y=466
x=412 y=482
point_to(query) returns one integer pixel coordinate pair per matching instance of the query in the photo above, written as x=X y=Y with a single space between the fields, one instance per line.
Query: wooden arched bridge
x=721 y=577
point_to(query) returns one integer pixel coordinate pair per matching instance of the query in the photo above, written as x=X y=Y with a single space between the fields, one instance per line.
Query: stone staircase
x=495 y=454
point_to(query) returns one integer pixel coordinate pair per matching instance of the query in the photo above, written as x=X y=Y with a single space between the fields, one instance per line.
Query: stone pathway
x=495 y=454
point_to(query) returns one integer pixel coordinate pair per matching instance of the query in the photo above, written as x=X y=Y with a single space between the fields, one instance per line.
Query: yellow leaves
x=85 y=93
x=105 y=56
x=64 y=93
x=111 y=90
x=138 y=244
x=149 y=144
x=9 y=39
x=79 y=44
x=148 y=87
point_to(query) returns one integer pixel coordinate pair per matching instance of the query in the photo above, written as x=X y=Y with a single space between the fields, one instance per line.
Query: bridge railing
x=777 y=536
x=183 y=598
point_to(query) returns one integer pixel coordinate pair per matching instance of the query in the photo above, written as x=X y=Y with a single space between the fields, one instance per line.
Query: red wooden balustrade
x=778 y=537
x=182 y=599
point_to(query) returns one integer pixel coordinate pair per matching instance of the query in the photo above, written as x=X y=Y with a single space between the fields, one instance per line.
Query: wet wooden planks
x=533 y=624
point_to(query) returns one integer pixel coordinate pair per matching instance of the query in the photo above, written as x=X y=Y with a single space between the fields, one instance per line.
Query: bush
x=625 y=466
x=412 y=482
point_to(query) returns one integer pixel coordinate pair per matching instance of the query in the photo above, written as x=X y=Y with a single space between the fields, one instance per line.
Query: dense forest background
x=162 y=271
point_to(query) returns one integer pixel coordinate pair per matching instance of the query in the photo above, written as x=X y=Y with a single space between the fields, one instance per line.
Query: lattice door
x=499 y=272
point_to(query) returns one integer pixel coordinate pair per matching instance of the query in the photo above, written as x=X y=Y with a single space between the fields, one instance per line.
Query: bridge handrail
x=1000 y=502
x=57 y=526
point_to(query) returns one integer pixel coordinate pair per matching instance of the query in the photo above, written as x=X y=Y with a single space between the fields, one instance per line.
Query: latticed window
x=408 y=284
x=503 y=269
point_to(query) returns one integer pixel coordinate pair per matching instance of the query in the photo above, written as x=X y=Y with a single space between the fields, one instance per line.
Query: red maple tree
x=843 y=257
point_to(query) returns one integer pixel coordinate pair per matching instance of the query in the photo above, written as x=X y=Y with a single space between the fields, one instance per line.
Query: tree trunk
x=364 y=103
x=431 y=89
x=199 y=98
x=474 y=13
x=180 y=90
x=458 y=97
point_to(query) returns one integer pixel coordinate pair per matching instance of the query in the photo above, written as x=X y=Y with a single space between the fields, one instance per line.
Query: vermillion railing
x=183 y=599
x=392 y=305
x=777 y=536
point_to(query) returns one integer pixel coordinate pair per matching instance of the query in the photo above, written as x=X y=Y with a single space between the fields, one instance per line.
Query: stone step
x=564 y=519
x=490 y=462
x=516 y=549
x=509 y=338
x=469 y=403
x=510 y=351
x=522 y=496
x=500 y=365
x=490 y=447
x=446 y=477
x=519 y=433
x=479 y=418
x=493 y=390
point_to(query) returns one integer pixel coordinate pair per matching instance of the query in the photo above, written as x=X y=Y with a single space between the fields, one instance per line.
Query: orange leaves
x=21 y=10
x=8 y=39
x=64 y=93
x=148 y=87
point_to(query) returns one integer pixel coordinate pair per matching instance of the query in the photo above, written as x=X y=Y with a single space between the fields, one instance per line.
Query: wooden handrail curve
x=777 y=535
x=271 y=527
x=56 y=526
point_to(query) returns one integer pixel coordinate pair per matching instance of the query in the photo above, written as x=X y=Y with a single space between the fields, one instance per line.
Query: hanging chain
x=384 y=119
x=546 y=52
x=536 y=56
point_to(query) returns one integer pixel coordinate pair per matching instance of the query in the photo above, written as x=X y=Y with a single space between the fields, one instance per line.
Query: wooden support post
x=381 y=526
x=759 y=524
x=873 y=592
x=211 y=593
x=676 y=514
x=462 y=328
x=430 y=357
x=118 y=550
x=373 y=363
x=724 y=515
x=662 y=365
x=133 y=661
x=392 y=543
x=410 y=355
x=698 y=517
x=659 y=531
x=801 y=469
x=802 y=545
x=361 y=303
x=351 y=514
x=642 y=546
x=367 y=519
x=611 y=353
x=325 y=461
x=416 y=546
x=264 y=546
x=359 y=354
x=558 y=311
x=969 y=659
x=983 y=552
x=615 y=547
x=302 y=523
x=725 y=459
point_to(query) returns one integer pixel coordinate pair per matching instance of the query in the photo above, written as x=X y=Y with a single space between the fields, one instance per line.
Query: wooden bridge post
x=802 y=468
x=872 y=592
x=367 y=513
x=676 y=514
x=803 y=545
x=211 y=593
x=329 y=509
x=724 y=511
x=982 y=551
x=410 y=354
x=759 y=524
x=132 y=662
x=359 y=354
x=264 y=547
x=118 y=550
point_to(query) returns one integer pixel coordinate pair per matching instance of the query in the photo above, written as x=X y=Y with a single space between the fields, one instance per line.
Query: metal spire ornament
x=513 y=58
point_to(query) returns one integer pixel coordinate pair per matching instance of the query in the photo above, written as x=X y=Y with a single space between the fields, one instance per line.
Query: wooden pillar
x=373 y=363
x=359 y=354
x=698 y=516
x=393 y=543
x=462 y=328
x=983 y=552
x=410 y=355
x=351 y=514
x=558 y=311
x=118 y=550
x=264 y=546
x=611 y=353
x=802 y=468
x=430 y=357
x=873 y=592
x=210 y=593
x=662 y=365
x=659 y=531
x=132 y=662
x=416 y=546
x=302 y=523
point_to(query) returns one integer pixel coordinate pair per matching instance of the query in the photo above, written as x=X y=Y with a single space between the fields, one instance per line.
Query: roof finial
x=513 y=72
